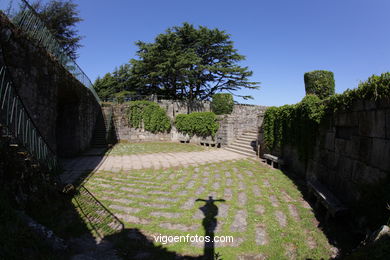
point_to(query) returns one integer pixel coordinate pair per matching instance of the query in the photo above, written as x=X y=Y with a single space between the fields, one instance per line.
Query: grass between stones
x=160 y=147
x=263 y=209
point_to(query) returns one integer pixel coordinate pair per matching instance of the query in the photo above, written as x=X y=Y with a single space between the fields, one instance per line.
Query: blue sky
x=280 y=39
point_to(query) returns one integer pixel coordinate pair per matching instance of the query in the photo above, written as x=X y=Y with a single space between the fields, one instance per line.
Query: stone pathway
x=75 y=167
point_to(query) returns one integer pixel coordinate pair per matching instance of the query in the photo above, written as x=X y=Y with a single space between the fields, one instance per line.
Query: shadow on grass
x=338 y=230
x=132 y=243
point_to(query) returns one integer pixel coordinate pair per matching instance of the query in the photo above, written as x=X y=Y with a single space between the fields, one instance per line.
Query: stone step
x=242 y=142
x=99 y=145
x=242 y=149
x=240 y=152
x=249 y=139
x=249 y=135
x=244 y=146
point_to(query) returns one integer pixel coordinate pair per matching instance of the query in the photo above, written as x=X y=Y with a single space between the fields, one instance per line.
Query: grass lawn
x=263 y=210
x=160 y=147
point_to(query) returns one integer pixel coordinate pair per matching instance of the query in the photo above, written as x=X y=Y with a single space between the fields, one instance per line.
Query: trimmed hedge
x=222 y=103
x=319 y=83
x=149 y=115
x=298 y=124
x=197 y=123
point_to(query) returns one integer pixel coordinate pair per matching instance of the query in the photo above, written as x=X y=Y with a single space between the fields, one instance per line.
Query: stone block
x=347 y=119
x=365 y=146
x=340 y=146
x=370 y=104
x=352 y=147
x=358 y=105
x=384 y=103
x=344 y=168
x=329 y=141
x=380 y=154
x=331 y=160
x=358 y=171
x=388 y=124
x=372 y=175
x=373 y=124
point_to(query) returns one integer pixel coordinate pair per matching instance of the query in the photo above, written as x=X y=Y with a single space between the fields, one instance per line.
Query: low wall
x=243 y=118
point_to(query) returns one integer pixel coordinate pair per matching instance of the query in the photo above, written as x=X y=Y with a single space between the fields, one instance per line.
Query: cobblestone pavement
x=75 y=167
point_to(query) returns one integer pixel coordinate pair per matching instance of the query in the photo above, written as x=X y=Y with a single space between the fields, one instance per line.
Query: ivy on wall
x=149 y=115
x=298 y=124
x=197 y=123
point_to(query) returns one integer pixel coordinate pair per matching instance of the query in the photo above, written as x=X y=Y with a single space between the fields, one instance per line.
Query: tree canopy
x=189 y=63
x=115 y=85
x=61 y=17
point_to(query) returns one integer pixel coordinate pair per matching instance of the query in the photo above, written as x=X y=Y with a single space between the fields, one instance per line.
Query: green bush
x=197 y=123
x=150 y=115
x=222 y=103
x=319 y=83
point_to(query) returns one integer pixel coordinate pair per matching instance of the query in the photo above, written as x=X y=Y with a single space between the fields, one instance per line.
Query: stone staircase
x=245 y=144
x=99 y=135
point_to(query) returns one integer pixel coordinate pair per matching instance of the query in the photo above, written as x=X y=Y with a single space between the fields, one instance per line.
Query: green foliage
x=189 y=63
x=116 y=85
x=376 y=87
x=294 y=124
x=120 y=96
x=60 y=17
x=298 y=124
x=320 y=83
x=149 y=115
x=197 y=123
x=222 y=103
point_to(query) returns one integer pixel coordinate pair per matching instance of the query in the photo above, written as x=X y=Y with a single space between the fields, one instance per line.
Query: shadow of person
x=210 y=211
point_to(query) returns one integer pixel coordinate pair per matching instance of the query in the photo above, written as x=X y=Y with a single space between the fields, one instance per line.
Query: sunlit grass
x=173 y=183
x=155 y=147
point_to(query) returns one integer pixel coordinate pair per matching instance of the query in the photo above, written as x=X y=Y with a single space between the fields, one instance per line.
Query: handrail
x=26 y=18
x=16 y=118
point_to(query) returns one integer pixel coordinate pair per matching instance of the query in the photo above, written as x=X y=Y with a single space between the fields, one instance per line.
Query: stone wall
x=243 y=118
x=63 y=110
x=174 y=108
x=351 y=154
x=126 y=133
x=353 y=149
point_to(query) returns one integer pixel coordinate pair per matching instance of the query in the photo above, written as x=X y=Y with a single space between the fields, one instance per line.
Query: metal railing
x=25 y=17
x=101 y=221
x=18 y=123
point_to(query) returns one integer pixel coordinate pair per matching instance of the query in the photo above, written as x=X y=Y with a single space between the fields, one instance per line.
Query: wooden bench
x=326 y=198
x=273 y=160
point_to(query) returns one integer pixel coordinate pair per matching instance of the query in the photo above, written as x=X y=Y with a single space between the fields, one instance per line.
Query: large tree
x=61 y=18
x=190 y=63
x=116 y=84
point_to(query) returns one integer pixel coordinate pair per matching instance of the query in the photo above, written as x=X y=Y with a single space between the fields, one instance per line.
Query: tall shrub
x=222 y=103
x=197 y=123
x=319 y=83
x=149 y=115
